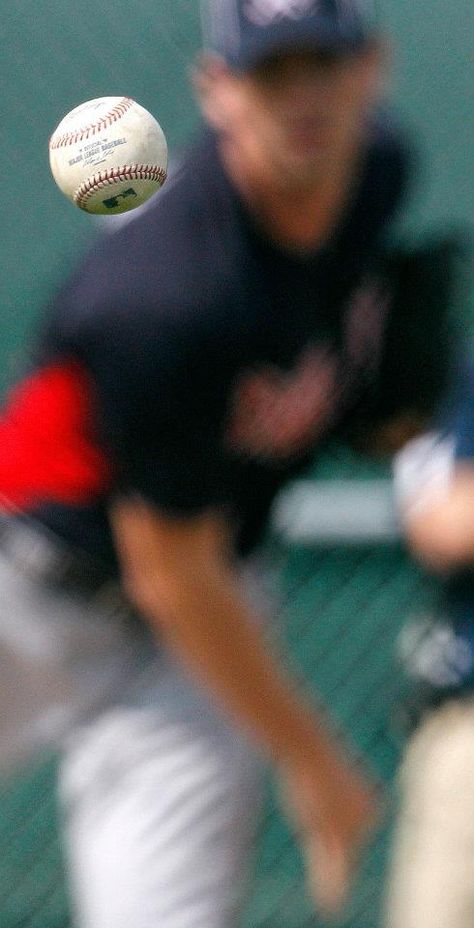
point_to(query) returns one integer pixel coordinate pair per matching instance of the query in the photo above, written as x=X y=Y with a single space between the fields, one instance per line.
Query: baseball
x=108 y=155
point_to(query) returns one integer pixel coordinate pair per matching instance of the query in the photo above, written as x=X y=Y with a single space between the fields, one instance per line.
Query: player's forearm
x=206 y=623
x=435 y=495
x=177 y=573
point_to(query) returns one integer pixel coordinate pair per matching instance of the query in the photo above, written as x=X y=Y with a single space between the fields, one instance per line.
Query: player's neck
x=299 y=217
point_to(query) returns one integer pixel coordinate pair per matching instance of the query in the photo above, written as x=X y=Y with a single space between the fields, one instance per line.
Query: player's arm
x=434 y=482
x=441 y=532
x=435 y=493
x=178 y=573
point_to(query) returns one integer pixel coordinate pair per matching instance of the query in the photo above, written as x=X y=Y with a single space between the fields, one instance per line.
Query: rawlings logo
x=266 y=12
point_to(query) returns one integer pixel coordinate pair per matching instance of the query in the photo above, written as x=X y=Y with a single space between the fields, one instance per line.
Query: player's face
x=297 y=114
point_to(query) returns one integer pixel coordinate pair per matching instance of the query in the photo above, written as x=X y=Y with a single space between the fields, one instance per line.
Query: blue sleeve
x=463 y=412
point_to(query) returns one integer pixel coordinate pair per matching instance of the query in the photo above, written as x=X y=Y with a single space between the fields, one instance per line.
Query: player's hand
x=334 y=810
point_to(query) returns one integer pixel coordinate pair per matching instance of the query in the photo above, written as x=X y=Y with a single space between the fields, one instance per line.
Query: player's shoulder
x=189 y=215
x=388 y=173
x=178 y=254
x=392 y=151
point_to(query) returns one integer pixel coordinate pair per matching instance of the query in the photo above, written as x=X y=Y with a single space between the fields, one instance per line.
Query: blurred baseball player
x=432 y=869
x=188 y=369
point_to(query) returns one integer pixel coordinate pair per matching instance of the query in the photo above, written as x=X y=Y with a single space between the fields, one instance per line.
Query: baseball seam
x=113 y=176
x=85 y=132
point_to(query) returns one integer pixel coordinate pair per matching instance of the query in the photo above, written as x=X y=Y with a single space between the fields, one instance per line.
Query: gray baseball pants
x=160 y=795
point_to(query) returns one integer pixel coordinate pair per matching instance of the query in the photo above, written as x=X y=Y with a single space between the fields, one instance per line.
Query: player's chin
x=303 y=167
x=306 y=152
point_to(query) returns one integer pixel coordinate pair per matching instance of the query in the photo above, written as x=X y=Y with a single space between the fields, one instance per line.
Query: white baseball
x=108 y=155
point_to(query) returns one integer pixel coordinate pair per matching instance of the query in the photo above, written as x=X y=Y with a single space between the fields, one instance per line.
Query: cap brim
x=283 y=38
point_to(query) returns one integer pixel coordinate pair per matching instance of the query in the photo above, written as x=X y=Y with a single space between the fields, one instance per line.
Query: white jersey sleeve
x=423 y=471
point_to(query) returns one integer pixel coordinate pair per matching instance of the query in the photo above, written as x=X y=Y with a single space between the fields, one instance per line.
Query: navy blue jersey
x=459 y=589
x=204 y=363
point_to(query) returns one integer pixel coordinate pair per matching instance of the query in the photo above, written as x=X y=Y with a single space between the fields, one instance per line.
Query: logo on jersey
x=277 y=414
x=266 y=12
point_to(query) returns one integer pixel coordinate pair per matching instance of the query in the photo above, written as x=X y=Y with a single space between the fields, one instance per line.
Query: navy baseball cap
x=246 y=32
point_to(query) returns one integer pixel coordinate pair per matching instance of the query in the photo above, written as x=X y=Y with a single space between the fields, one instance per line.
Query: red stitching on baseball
x=70 y=138
x=113 y=176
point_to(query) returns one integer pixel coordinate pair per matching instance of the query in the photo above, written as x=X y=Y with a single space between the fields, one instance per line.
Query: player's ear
x=377 y=62
x=209 y=77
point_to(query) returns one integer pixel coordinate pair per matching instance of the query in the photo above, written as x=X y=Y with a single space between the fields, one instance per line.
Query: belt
x=48 y=560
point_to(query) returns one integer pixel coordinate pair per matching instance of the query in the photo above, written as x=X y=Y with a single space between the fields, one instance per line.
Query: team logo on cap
x=266 y=12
